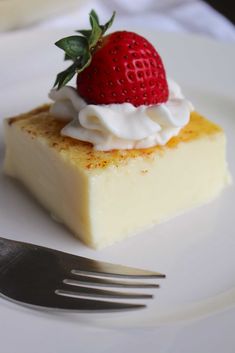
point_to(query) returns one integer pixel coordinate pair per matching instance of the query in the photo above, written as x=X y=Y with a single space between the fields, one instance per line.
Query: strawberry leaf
x=108 y=24
x=93 y=15
x=85 y=61
x=67 y=57
x=85 y=32
x=73 y=46
x=96 y=30
x=65 y=76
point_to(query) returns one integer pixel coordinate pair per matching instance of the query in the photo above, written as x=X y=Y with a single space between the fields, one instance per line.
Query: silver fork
x=45 y=278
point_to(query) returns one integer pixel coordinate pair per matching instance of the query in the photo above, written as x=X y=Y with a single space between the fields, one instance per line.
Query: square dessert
x=105 y=196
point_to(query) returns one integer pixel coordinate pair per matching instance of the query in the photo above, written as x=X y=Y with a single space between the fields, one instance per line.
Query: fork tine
x=74 y=305
x=92 y=267
x=94 y=292
x=86 y=305
x=76 y=280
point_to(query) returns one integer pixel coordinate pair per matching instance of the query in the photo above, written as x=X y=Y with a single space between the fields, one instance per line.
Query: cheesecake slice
x=103 y=197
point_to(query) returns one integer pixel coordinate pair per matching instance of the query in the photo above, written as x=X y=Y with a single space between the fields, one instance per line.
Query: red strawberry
x=124 y=67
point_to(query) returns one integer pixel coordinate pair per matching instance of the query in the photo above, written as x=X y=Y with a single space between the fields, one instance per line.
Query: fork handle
x=10 y=251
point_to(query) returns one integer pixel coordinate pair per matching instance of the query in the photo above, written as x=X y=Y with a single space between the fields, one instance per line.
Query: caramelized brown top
x=39 y=124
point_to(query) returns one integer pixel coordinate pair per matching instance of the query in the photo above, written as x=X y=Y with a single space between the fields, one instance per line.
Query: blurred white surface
x=192 y=16
x=15 y=14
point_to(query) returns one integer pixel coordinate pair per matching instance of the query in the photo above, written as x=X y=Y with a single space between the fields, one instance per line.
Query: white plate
x=196 y=250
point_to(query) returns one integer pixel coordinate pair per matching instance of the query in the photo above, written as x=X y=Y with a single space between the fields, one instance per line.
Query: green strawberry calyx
x=79 y=48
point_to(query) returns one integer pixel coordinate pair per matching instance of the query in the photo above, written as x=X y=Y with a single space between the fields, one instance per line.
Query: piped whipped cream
x=121 y=126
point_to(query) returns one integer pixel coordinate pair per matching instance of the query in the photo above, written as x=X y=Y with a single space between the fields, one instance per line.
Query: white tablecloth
x=192 y=16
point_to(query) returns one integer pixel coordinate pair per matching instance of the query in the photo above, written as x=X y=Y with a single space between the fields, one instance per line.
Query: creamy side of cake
x=104 y=197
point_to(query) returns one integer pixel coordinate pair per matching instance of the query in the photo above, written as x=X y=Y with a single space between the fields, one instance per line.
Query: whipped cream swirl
x=121 y=126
